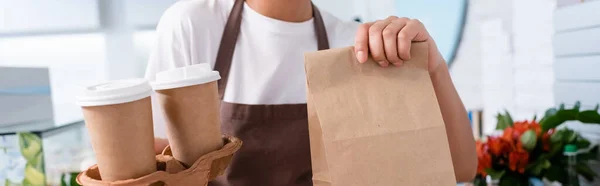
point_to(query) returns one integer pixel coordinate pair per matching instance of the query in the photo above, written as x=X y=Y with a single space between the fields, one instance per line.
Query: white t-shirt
x=268 y=62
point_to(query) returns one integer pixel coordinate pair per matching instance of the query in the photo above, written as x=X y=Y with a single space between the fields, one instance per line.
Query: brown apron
x=276 y=149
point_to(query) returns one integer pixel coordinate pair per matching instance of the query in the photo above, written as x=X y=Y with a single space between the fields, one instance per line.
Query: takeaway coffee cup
x=190 y=103
x=118 y=116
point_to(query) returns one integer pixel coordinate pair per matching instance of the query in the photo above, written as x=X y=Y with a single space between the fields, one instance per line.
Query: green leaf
x=595 y=150
x=7 y=182
x=26 y=183
x=537 y=167
x=551 y=122
x=589 y=116
x=556 y=173
x=550 y=112
x=62 y=180
x=37 y=162
x=479 y=181
x=30 y=145
x=508 y=118
x=564 y=135
x=566 y=115
x=501 y=124
x=534 y=118
x=585 y=171
x=557 y=136
x=514 y=180
x=504 y=121
x=582 y=143
x=494 y=173
x=74 y=179
x=34 y=176
x=569 y=136
x=560 y=116
x=592 y=154
x=586 y=156
x=577 y=106
x=556 y=149
x=529 y=140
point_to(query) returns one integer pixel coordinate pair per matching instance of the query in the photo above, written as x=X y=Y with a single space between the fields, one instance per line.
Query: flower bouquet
x=533 y=149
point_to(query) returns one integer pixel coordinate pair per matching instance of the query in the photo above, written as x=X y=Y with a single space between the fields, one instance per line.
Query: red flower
x=507 y=151
x=518 y=159
x=483 y=158
x=508 y=134
x=520 y=127
x=523 y=126
x=546 y=140
x=536 y=127
x=498 y=145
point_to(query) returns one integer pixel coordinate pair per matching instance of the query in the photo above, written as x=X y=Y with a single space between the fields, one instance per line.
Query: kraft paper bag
x=375 y=126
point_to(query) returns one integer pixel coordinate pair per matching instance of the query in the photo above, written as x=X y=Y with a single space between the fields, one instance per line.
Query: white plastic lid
x=185 y=76
x=114 y=92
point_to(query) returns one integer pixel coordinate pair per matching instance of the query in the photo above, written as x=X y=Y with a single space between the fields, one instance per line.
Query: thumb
x=160 y=144
x=361 y=45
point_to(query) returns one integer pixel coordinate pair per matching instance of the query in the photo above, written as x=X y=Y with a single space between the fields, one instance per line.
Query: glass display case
x=42 y=136
x=44 y=156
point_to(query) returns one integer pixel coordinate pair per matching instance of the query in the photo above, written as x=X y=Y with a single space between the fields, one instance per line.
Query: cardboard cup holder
x=172 y=172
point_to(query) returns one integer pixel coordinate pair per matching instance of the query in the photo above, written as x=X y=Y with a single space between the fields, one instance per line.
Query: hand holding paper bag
x=375 y=126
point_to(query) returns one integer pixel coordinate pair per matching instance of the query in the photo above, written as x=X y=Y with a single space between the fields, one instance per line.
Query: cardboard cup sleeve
x=190 y=102
x=118 y=116
x=171 y=172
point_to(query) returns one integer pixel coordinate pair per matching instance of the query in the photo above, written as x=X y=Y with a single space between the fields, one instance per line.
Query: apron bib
x=276 y=150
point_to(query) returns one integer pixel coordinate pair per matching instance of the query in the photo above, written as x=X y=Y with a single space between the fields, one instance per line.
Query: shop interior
x=522 y=57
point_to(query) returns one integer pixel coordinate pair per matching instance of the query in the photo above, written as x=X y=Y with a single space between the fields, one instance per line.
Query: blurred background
x=519 y=56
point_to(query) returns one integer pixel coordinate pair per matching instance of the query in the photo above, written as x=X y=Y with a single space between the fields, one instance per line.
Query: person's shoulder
x=341 y=33
x=195 y=13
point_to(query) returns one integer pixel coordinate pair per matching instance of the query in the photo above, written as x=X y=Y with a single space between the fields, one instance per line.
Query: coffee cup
x=191 y=106
x=118 y=116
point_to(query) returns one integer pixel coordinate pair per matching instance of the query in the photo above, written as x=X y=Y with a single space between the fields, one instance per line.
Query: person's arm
x=388 y=42
x=460 y=137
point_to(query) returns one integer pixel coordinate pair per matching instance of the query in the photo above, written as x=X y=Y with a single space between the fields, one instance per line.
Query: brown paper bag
x=375 y=126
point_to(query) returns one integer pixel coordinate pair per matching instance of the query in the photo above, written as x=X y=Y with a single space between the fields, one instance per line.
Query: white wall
x=505 y=59
x=577 y=60
x=31 y=16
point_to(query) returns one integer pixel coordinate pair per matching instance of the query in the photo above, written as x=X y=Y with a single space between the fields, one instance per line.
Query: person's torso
x=265 y=94
x=268 y=62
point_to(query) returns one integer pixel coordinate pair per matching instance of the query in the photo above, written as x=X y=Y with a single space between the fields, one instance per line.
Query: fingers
x=388 y=41
x=376 y=42
x=390 y=37
x=361 y=45
x=413 y=31
x=376 y=45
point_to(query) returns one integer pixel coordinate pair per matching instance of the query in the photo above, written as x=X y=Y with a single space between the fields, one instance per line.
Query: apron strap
x=322 y=41
x=232 y=31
